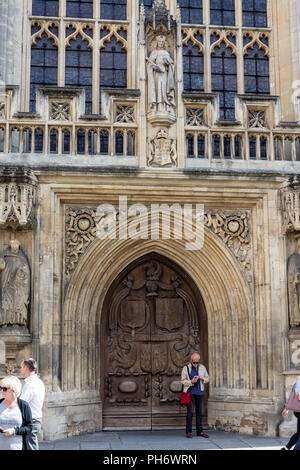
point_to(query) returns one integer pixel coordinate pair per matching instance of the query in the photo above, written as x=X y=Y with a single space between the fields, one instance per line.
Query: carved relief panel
x=154 y=321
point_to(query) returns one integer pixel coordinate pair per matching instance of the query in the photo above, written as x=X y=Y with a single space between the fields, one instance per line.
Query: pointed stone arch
x=220 y=280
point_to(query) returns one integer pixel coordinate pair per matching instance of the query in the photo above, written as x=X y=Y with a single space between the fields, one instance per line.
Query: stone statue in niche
x=15 y=287
x=162 y=150
x=161 y=81
x=294 y=287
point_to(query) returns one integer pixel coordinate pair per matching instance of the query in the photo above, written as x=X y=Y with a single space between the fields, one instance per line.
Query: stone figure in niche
x=161 y=83
x=294 y=287
x=15 y=287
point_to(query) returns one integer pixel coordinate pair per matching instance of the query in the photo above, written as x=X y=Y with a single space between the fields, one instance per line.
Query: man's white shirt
x=34 y=393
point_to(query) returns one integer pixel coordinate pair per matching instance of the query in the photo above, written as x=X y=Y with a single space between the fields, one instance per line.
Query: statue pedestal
x=12 y=340
x=161 y=119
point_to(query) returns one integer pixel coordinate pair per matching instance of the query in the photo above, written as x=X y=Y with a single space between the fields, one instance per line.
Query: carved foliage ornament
x=231 y=227
x=291 y=207
x=18 y=188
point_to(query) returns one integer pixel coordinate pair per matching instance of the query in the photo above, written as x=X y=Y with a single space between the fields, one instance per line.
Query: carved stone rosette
x=18 y=192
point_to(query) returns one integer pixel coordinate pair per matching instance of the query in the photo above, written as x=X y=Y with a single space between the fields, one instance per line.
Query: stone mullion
x=96 y=70
x=61 y=53
x=26 y=60
x=239 y=46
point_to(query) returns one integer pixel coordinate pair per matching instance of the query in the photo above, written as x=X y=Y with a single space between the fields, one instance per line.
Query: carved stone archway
x=216 y=273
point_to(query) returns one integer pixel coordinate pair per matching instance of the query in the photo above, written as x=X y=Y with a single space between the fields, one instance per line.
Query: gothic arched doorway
x=153 y=319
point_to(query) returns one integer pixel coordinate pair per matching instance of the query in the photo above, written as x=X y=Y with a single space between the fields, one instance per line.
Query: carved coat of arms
x=162 y=150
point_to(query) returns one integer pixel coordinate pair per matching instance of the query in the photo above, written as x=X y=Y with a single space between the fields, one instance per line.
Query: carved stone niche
x=160 y=64
x=18 y=194
x=14 y=305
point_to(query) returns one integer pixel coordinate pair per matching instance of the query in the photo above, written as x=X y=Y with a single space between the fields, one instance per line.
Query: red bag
x=293 y=402
x=185 y=399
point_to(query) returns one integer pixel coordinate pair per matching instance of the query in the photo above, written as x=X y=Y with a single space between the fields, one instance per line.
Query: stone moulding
x=18 y=195
x=232 y=227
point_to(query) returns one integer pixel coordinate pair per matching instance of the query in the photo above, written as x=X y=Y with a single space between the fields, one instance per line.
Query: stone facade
x=240 y=293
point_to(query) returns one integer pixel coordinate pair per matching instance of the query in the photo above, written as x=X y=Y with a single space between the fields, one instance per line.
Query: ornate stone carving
x=195 y=116
x=15 y=287
x=80 y=233
x=162 y=150
x=124 y=113
x=160 y=15
x=18 y=187
x=291 y=206
x=256 y=119
x=161 y=81
x=293 y=269
x=232 y=227
x=60 y=111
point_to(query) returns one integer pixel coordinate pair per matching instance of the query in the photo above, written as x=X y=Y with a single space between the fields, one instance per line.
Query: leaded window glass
x=113 y=62
x=80 y=8
x=193 y=68
x=222 y=12
x=45 y=7
x=79 y=66
x=43 y=71
x=255 y=13
x=113 y=9
x=256 y=71
x=191 y=11
x=224 y=79
x=38 y=140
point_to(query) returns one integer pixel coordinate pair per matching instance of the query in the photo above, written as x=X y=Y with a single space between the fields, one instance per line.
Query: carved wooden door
x=154 y=321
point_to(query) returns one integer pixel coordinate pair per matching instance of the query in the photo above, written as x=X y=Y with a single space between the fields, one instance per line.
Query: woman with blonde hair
x=15 y=415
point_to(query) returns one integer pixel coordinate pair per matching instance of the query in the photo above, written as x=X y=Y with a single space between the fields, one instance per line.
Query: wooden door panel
x=152 y=327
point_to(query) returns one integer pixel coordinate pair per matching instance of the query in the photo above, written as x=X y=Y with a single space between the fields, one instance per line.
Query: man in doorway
x=34 y=393
x=193 y=378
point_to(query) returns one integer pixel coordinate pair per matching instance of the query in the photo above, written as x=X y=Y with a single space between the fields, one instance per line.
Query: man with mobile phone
x=193 y=378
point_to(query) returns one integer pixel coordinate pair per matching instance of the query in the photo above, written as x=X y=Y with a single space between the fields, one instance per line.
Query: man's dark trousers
x=197 y=407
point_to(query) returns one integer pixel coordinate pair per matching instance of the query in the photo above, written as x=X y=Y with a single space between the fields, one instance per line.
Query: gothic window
x=27 y=140
x=104 y=142
x=237 y=147
x=79 y=66
x=113 y=9
x=53 y=141
x=45 y=7
x=92 y=142
x=113 y=62
x=38 y=140
x=80 y=8
x=201 y=146
x=255 y=13
x=193 y=68
x=256 y=70
x=191 y=11
x=224 y=79
x=44 y=58
x=216 y=146
x=222 y=12
x=119 y=143
x=81 y=141
x=190 y=146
